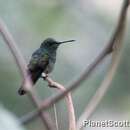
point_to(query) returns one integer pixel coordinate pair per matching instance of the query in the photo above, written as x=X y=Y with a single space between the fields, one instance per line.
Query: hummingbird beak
x=66 y=41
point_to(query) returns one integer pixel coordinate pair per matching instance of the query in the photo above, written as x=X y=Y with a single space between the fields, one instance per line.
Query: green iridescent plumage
x=42 y=60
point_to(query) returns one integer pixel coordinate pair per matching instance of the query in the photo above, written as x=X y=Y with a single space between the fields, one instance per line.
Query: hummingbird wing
x=37 y=65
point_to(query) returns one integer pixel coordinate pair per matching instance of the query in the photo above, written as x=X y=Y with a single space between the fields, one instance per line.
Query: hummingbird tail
x=34 y=76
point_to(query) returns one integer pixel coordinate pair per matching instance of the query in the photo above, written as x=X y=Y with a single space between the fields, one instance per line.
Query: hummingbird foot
x=51 y=83
x=44 y=76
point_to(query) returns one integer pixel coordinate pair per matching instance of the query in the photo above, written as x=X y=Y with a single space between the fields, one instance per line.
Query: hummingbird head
x=52 y=44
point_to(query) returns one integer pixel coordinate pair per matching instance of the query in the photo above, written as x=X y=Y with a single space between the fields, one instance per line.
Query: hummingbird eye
x=49 y=44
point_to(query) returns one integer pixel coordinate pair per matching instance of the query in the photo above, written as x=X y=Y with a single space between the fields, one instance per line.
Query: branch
x=23 y=69
x=95 y=100
x=44 y=115
x=52 y=84
x=16 y=54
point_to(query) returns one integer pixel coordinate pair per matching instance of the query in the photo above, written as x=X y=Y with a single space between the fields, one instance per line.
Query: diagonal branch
x=16 y=54
x=95 y=100
x=23 y=70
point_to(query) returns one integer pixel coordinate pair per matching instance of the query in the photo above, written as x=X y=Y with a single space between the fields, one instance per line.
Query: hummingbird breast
x=50 y=66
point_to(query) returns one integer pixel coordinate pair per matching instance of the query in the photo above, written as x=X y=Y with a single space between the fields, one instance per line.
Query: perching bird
x=42 y=60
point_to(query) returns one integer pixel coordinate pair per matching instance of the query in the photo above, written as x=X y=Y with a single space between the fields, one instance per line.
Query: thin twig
x=56 y=118
x=72 y=122
x=95 y=100
x=27 y=84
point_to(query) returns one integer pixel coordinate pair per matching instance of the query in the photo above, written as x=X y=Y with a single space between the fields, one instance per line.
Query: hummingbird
x=42 y=60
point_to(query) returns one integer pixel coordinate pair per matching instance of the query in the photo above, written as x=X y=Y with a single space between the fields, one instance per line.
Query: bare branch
x=44 y=115
x=16 y=54
x=56 y=118
x=72 y=122
x=119 y=34
x=23 y=69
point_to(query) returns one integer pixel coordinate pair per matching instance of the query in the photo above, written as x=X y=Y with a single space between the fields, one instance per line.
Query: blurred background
x=91 y=23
